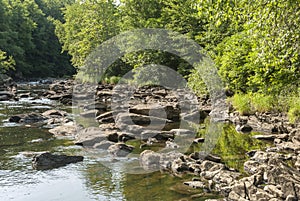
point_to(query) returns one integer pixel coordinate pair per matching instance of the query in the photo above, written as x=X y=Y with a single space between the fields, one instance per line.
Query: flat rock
x=54 y=113
x=195 y=184
x=27 y=118
x=68 y=129
x=47 y=161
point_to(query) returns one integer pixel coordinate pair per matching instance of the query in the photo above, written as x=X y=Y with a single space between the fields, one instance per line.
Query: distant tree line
x=254 y=43
x=28 y=44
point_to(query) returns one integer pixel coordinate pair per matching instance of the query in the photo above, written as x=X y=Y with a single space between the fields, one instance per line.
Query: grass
x=247 y=104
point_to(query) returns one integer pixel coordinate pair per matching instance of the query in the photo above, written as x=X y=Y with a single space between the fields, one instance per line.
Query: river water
x=89 y=180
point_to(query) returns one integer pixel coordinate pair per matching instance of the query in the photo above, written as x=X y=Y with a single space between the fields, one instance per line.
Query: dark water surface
x=89 y=180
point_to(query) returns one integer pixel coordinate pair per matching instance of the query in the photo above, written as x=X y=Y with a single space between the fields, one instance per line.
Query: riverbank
x=269 y=174
x=147 y=127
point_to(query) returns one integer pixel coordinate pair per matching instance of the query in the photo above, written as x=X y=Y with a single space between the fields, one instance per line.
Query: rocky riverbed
x=147 y=123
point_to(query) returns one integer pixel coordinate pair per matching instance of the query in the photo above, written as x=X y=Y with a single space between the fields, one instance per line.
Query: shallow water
x=89 y=180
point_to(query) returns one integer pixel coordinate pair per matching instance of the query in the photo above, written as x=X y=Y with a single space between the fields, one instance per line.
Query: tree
x=6 y=63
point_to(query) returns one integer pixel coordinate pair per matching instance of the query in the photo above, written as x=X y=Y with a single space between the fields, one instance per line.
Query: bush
x=294 y=110
x=242 y=103
x=263 y=103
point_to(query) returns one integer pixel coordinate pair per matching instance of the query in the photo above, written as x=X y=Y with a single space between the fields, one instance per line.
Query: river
x=89 y=180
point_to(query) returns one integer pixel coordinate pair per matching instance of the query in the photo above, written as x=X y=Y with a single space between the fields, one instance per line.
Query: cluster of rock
x=151 y=115
x=60 y=90
x=7 y=88
x=269 y=175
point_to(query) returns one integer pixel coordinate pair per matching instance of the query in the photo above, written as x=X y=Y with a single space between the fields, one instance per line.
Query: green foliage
x=255 y=44
x=294 y=109
x=196 y=84
x=6 y=63
x=27 y=34
x=86 y=25
x=242 y=103
x=263 y=103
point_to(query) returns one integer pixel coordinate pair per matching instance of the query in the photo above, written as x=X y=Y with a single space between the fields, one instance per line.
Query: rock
x=27 y=118
x=89 y=114
x=131 y=119
x=274 y=190
x=244 y=128
x=105 y=144
x=195 y=184
x=171 y=145
x=126 y=120
x=291 y=198
x=297 y=164
x=88 y=137
x=159 y=135
x=50 y=113
x=106 y=117
x=6 y=95
x=15 y=119
x=124 y=137
x=184 y=132
x=47 y=160
x=68 y=129
x=7 y=88
x=198 y=140
x=271 y=137
x=120 y=149
x=150 y=160
x=157 y=110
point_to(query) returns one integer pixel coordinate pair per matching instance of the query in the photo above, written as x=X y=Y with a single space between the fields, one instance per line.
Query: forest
x=254 y=44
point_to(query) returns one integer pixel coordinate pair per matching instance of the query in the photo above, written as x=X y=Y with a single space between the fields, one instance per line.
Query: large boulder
x=47 y=161
x=170 y=112
x=88 y=137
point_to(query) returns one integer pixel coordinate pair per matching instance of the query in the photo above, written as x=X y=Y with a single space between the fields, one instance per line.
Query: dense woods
x=28 y=42
x=255 y=44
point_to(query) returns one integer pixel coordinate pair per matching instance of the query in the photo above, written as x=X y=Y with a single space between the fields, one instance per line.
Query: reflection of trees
x=155 y=186
x=104 y=181
x=232 y=146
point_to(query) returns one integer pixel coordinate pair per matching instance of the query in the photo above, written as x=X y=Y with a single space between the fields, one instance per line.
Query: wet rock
x=120 y=149
x=6 y=95
x=244 y=128
x=47 y=160
x=27 y=118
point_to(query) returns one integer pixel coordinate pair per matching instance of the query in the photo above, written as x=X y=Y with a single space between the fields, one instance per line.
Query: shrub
x=242 y=103
x=294 y=110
